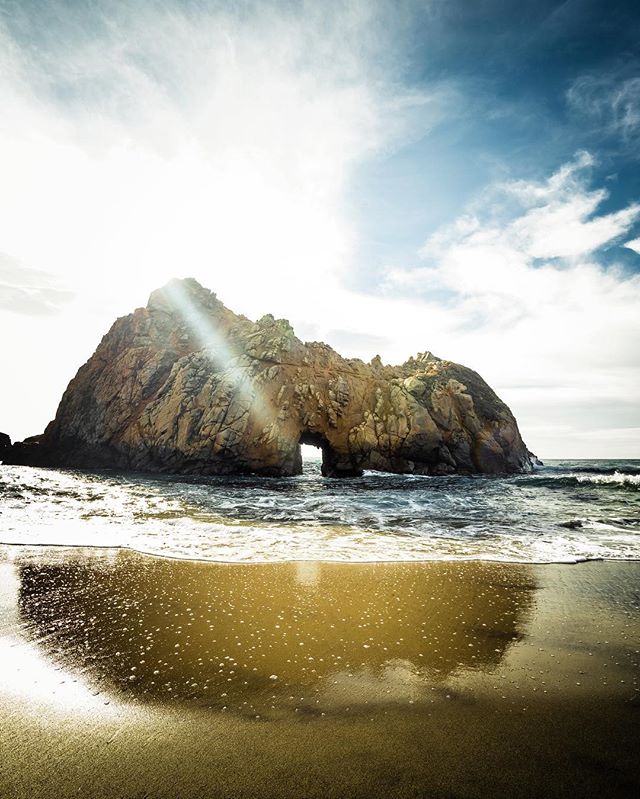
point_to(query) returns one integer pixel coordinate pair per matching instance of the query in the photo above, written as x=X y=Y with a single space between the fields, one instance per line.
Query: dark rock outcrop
x=185 y=385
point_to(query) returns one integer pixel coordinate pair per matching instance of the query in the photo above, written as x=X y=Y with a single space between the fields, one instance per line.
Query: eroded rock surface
x=186 y=385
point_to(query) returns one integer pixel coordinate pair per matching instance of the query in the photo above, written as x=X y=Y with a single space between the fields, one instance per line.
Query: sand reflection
x=265 y=639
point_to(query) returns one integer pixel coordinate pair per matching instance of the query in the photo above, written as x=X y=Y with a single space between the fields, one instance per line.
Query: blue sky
x=390 y=176
x=524 y=86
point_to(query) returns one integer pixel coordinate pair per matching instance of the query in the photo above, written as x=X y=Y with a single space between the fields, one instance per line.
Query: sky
x=390 y=176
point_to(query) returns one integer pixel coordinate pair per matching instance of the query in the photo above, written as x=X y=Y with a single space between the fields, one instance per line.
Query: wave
x=615 y=479
x=534 y=559
x=617 y=523
x=626 y=469
x=565 y=512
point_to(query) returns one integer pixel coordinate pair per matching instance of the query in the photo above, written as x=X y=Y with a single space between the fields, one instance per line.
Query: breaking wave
x=606 y=479
x=616 y=479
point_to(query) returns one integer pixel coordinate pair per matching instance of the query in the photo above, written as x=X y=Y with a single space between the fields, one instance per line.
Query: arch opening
x=331 y=463
x=312 y=446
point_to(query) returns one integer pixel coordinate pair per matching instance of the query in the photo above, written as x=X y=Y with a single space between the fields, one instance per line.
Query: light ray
x=223 y=355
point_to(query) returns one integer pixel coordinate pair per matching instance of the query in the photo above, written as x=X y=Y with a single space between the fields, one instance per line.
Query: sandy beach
x=125 y=675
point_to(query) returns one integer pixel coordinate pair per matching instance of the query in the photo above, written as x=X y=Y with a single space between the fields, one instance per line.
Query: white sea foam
x=617 y=478
x=376 y=518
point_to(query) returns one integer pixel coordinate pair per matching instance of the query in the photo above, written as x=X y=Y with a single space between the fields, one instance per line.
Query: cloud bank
x=29 y=291
x=185 y=139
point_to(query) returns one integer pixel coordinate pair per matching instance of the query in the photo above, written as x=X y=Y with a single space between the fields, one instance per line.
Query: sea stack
x=185 y=385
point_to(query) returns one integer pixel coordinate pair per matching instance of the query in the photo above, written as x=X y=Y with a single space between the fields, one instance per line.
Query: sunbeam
x=223 y=355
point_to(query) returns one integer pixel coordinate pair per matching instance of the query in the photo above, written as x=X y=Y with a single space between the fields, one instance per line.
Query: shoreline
x=416 y=561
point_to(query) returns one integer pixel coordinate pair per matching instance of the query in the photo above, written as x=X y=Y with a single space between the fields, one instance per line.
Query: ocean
x=564 y=512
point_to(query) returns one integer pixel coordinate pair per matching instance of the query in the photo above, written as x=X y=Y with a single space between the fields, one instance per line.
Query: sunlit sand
x=157 y=677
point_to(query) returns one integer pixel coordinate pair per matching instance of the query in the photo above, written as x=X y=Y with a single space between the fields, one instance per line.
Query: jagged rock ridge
x=185 y=385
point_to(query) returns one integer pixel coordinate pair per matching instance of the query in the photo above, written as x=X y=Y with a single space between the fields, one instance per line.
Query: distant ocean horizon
x=566 y=511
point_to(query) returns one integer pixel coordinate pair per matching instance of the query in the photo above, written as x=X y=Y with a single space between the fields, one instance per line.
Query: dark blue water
x=564 y=511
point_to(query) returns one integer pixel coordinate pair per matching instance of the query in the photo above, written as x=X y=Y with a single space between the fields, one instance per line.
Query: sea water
x=566 y=511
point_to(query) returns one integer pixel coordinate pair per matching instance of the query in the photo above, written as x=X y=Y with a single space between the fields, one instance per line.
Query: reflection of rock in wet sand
x=270 y=636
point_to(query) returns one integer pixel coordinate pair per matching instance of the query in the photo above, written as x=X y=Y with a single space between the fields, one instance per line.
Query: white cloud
x=610 y=98
x=134 y=185
x=29 y=291
x=633 y=245
x=213 y=144
x=532 y=306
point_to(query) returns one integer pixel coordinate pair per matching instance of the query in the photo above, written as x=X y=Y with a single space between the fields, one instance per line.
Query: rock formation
x=186 y=385
x=5 y=443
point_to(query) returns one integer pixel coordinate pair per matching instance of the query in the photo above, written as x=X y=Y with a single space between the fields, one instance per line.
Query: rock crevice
x=186 y=385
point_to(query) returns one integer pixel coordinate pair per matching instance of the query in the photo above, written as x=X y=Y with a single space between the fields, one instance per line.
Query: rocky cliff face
x=185 y=385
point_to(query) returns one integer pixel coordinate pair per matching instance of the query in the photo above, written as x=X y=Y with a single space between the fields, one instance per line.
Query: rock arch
x=186 y=385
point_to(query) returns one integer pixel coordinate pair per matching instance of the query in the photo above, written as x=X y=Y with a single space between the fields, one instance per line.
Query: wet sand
x=130 y=676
